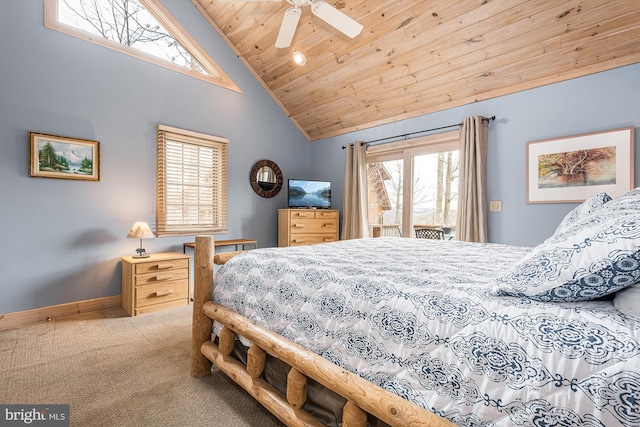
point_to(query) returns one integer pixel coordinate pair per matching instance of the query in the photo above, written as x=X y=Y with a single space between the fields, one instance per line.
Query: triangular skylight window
x=142 y=28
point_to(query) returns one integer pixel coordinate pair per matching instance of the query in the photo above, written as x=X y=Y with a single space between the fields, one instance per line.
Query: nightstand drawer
x=161 y=306
x=161 y=292
x=163 y=265
x=161 y=276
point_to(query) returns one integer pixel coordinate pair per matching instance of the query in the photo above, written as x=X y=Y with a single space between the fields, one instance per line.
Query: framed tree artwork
x=574 y=168
x=62 y=157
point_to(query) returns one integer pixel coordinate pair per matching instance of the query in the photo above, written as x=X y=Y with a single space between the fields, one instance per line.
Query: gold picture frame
x=61 y=157
x=574 y=168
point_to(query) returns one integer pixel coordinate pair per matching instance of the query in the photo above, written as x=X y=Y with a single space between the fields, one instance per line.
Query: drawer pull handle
x=327 y=225
x=164 y=293
x=298 y=240
x=299 y=225
x=328 y=239
x=166 y=276
x=165 y=266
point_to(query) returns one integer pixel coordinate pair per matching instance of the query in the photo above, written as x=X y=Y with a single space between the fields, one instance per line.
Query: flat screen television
x=309 y=193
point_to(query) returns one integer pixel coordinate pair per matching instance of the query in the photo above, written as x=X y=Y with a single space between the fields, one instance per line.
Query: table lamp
x=140 y=230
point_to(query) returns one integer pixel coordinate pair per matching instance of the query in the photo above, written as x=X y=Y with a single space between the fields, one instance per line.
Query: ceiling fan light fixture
x=299 y=58
x=322 y=10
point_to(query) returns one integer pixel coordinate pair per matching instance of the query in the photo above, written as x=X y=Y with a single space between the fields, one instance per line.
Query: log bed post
x=202 y=291
x=296 y=388
x=353 y=416
x=256 y=360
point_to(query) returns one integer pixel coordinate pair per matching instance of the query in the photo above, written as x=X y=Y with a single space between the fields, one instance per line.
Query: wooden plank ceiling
x=418 y=57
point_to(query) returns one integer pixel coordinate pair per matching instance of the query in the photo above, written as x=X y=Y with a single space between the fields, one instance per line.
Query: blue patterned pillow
x=593 y=257
x=629 y=200
x=590 y=205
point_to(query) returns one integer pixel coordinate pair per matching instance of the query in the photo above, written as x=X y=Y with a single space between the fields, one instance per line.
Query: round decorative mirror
x=266 y=178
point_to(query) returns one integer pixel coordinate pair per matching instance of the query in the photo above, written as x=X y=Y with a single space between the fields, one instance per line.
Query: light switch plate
x=495 y=205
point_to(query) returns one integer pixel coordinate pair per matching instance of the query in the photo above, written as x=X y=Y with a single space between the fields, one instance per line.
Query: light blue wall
x=597 y=102
x=62 y=239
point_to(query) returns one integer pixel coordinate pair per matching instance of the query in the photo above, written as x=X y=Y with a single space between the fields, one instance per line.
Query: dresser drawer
x=161 y=265
x=306 y=226
x=310 y=239
x=301 y=213
x=161 y=292
x=321 y=214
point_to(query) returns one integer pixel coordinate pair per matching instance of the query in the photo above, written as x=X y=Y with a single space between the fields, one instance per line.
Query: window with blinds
x=192 y=183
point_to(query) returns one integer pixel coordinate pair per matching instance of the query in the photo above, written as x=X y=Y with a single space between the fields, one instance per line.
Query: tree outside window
x=128 y=23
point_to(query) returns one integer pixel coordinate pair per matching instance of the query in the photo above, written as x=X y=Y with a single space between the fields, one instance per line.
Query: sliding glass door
x=421 y=175
x=435 y=191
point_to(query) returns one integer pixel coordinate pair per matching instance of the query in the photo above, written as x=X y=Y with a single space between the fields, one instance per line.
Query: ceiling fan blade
x=336 y=19
x=288 y=27
x=245 y=1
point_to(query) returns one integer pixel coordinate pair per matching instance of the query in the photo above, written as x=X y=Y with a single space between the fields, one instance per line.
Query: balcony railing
x=394 y=230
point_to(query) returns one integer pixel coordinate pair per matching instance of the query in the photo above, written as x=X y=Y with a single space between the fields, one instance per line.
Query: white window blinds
x=192 y=183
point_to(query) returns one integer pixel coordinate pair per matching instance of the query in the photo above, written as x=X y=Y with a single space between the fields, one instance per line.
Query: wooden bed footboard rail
x=388 y=407
x=362 y=396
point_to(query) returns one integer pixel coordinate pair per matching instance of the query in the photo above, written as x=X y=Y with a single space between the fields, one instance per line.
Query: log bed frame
x=362 y=396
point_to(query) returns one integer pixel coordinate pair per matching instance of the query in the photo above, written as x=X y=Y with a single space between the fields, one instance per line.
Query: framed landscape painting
x=574 y=168
x=53 y=156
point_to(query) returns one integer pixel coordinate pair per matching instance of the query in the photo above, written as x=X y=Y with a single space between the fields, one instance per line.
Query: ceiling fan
x=319 y=8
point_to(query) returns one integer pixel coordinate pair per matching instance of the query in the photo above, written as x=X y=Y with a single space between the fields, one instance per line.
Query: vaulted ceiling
x=422 y=56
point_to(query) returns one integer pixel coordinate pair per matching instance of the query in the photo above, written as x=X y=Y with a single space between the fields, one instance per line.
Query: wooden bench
x=218 y=243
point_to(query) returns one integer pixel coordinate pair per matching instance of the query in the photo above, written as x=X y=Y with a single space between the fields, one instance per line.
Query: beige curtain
x=472 y=196
x=354 y=207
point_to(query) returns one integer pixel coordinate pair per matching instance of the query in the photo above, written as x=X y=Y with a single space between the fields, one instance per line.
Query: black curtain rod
x=404 y=136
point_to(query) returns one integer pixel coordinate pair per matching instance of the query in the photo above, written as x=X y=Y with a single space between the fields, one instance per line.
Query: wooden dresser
x=155 y=283
x=307 y=226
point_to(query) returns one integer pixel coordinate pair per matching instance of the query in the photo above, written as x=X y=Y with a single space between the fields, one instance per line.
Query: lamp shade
x=140 y=230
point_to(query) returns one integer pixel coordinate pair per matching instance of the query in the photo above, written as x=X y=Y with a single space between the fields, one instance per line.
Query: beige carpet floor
x=115 y=370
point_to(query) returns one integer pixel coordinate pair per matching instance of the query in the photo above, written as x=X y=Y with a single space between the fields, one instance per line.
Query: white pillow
x=593 y=257
x=581 y=211
x=628 y=301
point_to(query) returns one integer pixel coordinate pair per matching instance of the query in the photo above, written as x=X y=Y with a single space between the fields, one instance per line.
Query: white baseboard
x=21 y=318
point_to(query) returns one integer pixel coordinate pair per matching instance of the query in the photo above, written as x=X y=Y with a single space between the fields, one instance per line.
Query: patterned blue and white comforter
x=421 y=318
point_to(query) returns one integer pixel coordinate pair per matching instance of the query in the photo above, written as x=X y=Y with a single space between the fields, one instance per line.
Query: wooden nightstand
x=155 y=283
